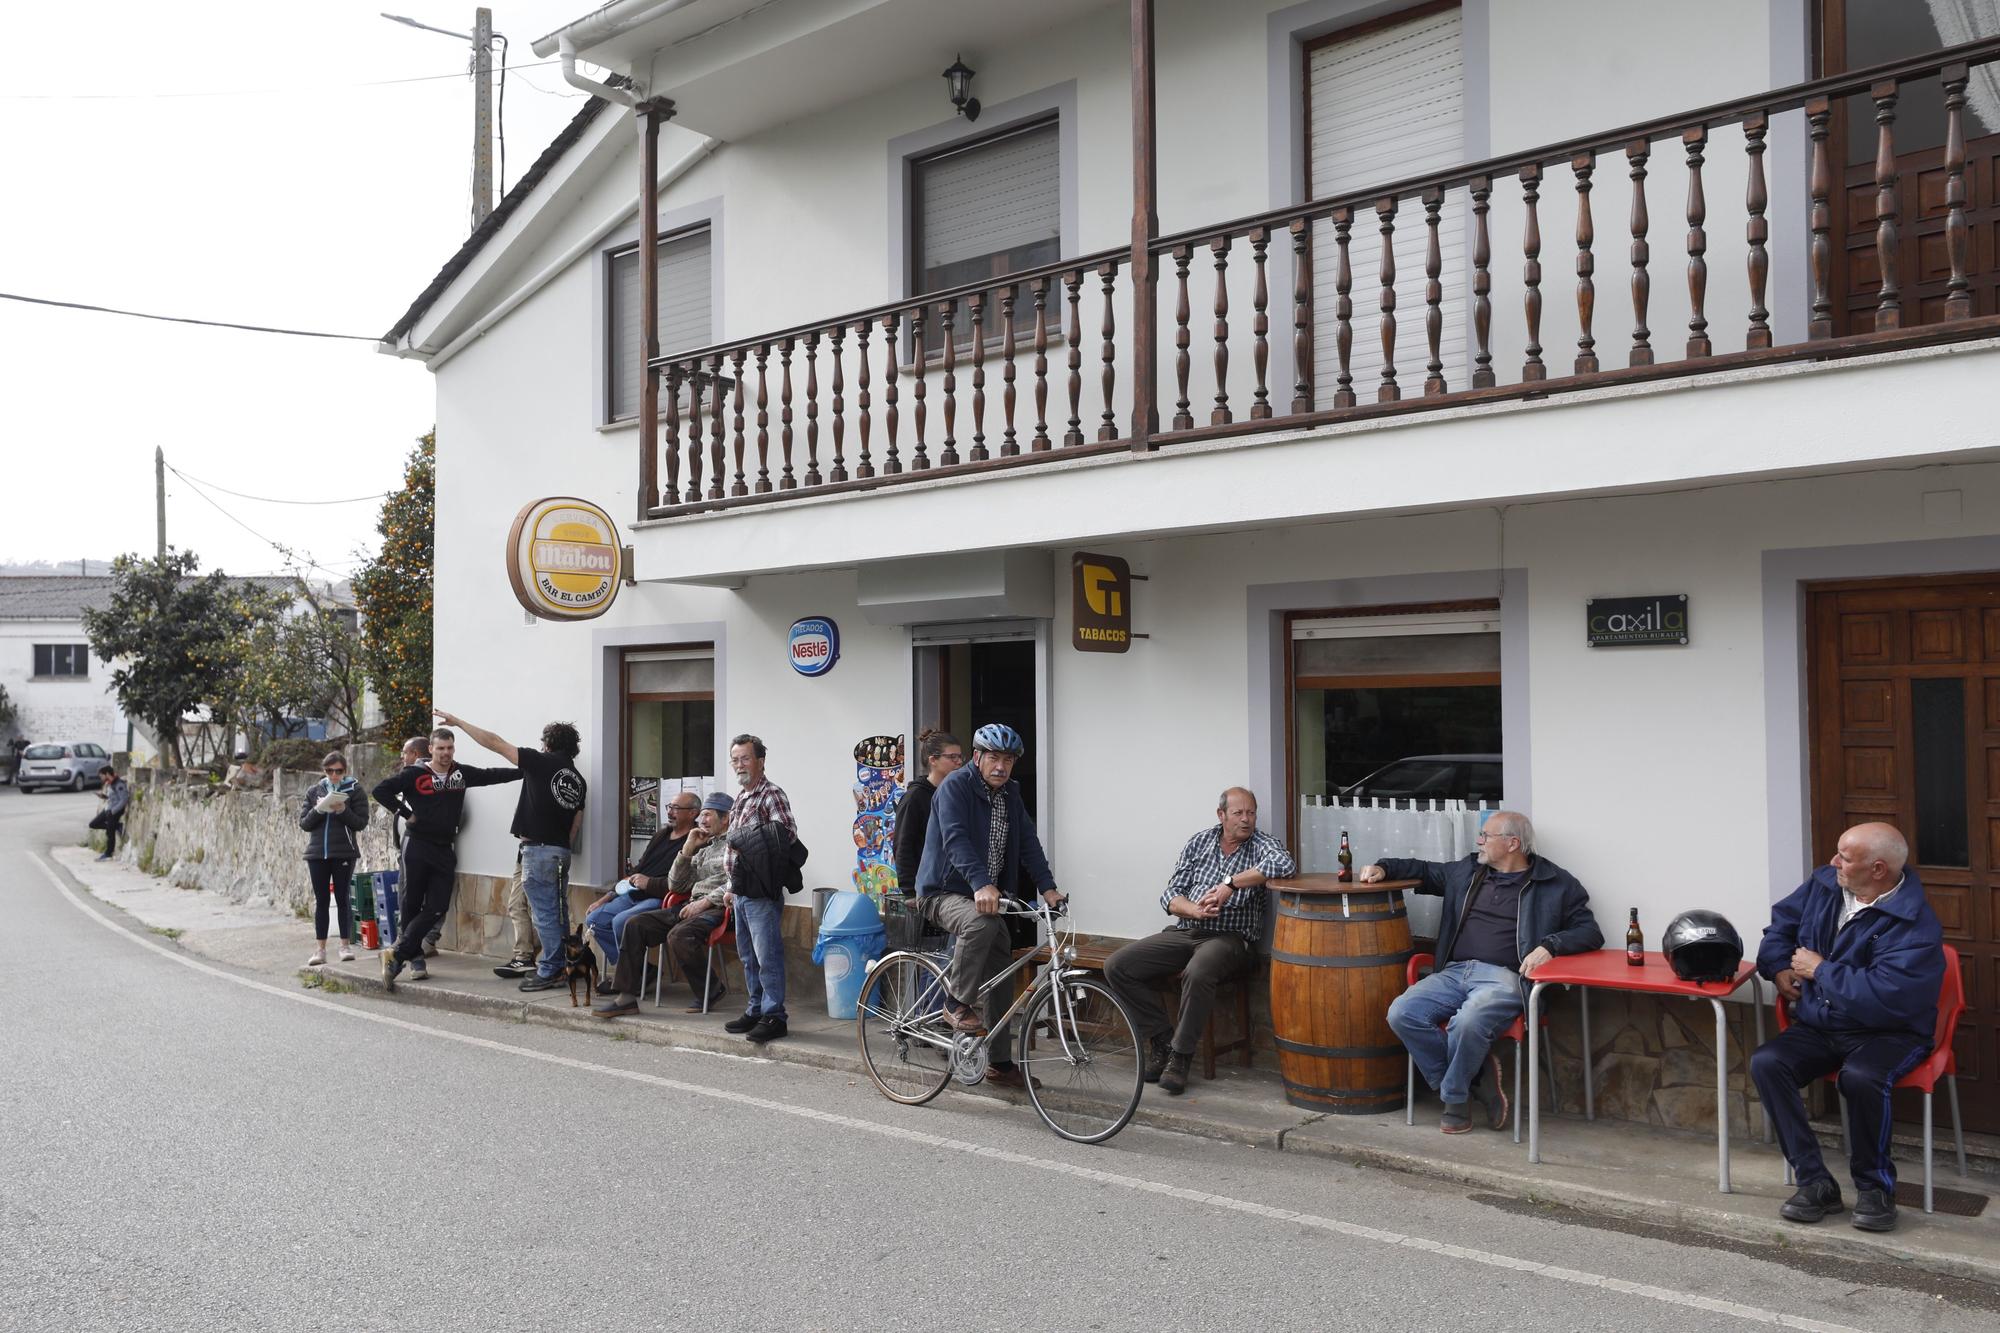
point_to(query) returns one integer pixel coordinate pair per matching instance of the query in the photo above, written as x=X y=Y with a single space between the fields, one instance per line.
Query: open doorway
x=967 y=676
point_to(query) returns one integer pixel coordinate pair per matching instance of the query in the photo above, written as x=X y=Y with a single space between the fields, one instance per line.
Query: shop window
x=684 y=300
x=669 y=740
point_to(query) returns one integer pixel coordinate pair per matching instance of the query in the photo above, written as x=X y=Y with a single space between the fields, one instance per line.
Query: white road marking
x=1355 y=1231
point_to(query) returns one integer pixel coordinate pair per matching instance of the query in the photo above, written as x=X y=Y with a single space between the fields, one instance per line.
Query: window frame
x=913 y=200
x=607 y=277
x=76 y=655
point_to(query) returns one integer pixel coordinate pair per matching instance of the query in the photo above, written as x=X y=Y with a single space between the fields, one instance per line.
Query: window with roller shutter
x=686 y=317
x=983 y=210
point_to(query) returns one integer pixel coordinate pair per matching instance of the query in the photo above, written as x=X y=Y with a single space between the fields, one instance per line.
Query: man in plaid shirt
x=760 y=943
x=1216 y=897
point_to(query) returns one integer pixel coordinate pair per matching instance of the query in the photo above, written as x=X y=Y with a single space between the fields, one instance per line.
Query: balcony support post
x=1145 y=230
x=652 y=115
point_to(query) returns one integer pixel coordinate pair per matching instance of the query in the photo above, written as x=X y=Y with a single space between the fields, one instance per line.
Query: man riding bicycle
x=980 y=837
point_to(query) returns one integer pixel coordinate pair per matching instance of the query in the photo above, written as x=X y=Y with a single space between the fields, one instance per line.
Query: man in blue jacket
x=980 y=838
x=1859 y=957
x=1506 y=912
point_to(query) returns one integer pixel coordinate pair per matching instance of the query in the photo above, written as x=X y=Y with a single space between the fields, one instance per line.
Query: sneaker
x=105 y=856
x=1814 y=1200
x=515 y=968
x=1174 y=1078
x=1456 y=1119
x=768 y=1029
x=318 y=959
x=549 y=982
x=430 y=949
x=741 y=1024
x=419 y=972
x=391 y=967
x=616 y=1007
x=1874 y=1210
x=1491 y=1090
x=1156 y=1056
x=346 y=953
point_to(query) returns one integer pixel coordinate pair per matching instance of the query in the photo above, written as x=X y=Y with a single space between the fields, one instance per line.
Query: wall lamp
x=959 y=79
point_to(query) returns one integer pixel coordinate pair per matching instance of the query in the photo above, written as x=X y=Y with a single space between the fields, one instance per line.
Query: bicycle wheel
x=1082 y=1057
x=905 y=1042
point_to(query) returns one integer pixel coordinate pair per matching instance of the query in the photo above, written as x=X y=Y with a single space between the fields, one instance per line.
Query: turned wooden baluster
x=1698 y=344
x=1818 y=111
x=737 y=486
x=948 y=322
x=716 y=452
x=1583 y=166
x=1531 y=272
x=921 y=460
x=1957 y=239
x=1385 y=215
x=1343 y=308
x=1183 y=417
x=694 y=432
x=763 y=486
x=813 y=409
x=864 y=467
x=786 y=480
x=1636 y=154
x=838 y=472
x=1008 y=445
x=1108 y=429
x=671 y=493
x=1260 y=326
x=892 y=462
x=977 y=304
x=1073 y=281
x=1041 y=444
x=1302 y=385
x=1433 y=291
x=1757 y=231
x=1889 y=308
x=1482 y=284
x=1221 y=415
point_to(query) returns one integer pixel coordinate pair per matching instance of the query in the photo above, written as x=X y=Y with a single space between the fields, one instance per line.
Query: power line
x=271 y=499
x=235 y=92
x=185 y=319
x=281 y=549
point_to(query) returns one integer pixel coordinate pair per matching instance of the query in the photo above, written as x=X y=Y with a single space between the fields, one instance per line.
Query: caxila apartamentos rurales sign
x=1621 y=622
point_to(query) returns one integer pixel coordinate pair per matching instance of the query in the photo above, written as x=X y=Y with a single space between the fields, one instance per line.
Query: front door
x=1905 y=681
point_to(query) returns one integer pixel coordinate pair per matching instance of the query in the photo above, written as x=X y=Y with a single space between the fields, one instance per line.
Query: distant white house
x=61 y=691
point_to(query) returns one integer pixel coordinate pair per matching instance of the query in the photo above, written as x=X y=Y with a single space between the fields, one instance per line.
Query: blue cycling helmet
x=999 y=738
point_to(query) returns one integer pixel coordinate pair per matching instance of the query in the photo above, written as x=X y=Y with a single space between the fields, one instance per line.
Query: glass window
x=1876 y=31
x=62 y=659
x=686 y=319
x=669 y=735
x=1937 y=736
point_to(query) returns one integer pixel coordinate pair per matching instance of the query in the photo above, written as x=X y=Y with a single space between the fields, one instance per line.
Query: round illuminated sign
x=815 y=645
x=562 y=559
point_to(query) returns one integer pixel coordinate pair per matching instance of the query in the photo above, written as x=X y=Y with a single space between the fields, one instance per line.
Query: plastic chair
x=1517 y=1032
x=715 y=941
x=1940 y=1063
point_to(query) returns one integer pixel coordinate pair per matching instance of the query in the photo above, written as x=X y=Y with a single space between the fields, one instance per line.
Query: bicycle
x=1085 y=1075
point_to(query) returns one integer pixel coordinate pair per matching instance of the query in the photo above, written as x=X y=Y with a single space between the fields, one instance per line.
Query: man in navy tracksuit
x=1858 y=955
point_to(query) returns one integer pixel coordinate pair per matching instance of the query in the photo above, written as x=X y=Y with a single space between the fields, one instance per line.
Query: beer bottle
x=1635 y=943
x=1346 y=859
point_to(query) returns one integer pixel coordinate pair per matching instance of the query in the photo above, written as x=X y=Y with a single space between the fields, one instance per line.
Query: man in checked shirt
x=1216 y=897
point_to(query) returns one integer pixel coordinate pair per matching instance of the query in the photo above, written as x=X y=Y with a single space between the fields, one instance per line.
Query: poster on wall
x=878 y=785
x=643 y=807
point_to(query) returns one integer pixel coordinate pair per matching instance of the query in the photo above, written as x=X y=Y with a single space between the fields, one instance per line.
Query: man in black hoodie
x=431 y=799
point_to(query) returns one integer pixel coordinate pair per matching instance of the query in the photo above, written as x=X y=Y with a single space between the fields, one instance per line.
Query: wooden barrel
x=1338 y=958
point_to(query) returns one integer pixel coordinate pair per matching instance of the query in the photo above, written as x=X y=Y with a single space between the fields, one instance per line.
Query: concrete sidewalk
x=1611 y=1169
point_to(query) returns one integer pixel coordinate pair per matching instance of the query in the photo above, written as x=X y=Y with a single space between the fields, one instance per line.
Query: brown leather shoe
x=1009 y=1076
x=962 y=1019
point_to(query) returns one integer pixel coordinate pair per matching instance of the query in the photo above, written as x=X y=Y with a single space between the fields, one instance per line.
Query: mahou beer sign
x=562 y=559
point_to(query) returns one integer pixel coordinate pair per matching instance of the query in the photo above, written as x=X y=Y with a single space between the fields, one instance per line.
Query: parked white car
x=70 y=767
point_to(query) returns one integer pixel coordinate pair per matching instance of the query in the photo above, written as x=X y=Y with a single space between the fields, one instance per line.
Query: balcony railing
x=1035 y=368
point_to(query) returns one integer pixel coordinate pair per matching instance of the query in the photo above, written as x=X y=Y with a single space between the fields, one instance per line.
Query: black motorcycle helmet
x=1702 y=946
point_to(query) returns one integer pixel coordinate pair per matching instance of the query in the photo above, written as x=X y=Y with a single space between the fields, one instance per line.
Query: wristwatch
x=1231 y=882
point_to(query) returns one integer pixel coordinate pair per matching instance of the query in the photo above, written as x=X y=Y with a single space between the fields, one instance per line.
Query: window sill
x=59 y=680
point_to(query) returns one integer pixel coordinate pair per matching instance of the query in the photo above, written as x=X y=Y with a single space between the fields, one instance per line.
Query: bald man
x=1859 y=957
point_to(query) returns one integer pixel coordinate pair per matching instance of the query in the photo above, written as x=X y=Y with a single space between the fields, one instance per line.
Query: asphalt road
x=186 y=1147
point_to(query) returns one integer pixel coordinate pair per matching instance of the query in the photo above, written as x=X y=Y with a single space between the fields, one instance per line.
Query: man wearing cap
x=700 y=875
x=980 y=837
x=645 y=889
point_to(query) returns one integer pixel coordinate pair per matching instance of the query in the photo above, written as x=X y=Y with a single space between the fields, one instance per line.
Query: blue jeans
x=760 y=947
x=1475 y=1003
x=608 y=922
x=544 y=873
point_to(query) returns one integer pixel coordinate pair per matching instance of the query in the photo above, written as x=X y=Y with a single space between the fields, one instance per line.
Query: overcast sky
x=230 y=161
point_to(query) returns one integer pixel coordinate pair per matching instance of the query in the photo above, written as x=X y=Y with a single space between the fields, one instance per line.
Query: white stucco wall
x=60 y=710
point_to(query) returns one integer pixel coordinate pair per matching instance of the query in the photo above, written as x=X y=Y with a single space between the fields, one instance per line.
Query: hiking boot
x=418 y=971
x=1491 y=1090
x=392 y=966
x=1457 y=1119
x=1874 y=1210
x=1174 y=1078
x=515 y=968
x=616 y=1007
x=550 y=982
x=1814 y=1200
x=1157 y=1052
x=741 y=1024
x=768 y=1028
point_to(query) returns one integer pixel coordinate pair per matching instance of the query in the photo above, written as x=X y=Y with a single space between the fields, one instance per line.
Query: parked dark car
x=70 y=767
x=1432 y=777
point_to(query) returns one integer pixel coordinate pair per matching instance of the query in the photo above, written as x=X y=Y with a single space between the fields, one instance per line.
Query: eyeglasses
x=336 y=771
x=1483 y=835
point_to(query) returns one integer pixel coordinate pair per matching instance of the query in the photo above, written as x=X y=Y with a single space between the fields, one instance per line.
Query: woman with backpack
x=334 y=812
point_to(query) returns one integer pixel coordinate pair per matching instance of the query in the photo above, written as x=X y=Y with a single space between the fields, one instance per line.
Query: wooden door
x=1905 y=689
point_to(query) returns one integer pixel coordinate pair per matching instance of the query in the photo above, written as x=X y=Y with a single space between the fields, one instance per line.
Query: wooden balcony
x=1062 y=361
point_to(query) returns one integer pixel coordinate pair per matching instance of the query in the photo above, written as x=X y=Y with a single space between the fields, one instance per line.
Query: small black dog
x=581 y=962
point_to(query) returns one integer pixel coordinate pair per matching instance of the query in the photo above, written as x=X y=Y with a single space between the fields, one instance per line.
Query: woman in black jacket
x=942 y=754
x=335 y=810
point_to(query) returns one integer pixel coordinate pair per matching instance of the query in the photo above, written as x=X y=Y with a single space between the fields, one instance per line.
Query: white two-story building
x=1599 y=391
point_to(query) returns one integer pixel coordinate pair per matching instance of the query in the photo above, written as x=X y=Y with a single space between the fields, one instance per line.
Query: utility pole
x=160 y=497
x=482 y=116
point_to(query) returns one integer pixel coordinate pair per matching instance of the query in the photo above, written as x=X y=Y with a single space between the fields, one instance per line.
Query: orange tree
x=394 y=594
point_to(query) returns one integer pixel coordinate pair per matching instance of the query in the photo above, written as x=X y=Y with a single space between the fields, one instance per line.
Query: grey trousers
x=1202 y=961
x=981 y=949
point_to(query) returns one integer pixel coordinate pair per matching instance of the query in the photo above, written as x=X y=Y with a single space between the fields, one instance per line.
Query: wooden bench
x=1091 y=956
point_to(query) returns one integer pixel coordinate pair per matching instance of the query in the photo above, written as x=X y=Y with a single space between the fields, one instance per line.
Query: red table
x=1608 y=969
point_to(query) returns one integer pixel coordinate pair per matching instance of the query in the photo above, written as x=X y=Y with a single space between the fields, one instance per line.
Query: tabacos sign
x=1100 y=603
x=1617 y=622
x=814 y=645
x=563 y=559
